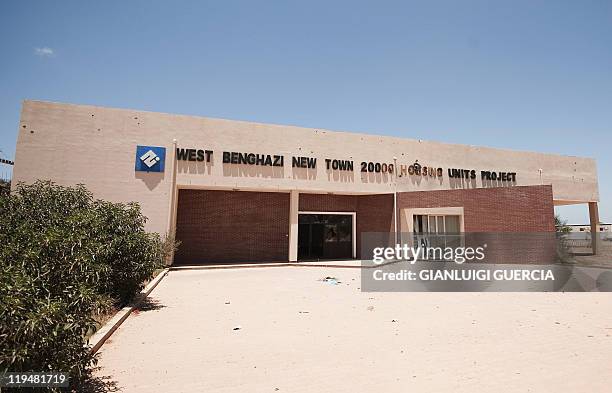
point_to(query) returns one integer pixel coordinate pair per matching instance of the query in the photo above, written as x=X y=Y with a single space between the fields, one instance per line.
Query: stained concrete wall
x=96 y=146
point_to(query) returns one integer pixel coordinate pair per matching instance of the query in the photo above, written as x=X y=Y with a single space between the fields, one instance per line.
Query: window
x=433 y=230
x=436 y=224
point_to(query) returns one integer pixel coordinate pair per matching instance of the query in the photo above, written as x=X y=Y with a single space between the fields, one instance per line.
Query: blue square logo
x=150 y=158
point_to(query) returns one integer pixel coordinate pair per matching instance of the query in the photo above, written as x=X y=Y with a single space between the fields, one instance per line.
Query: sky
x=524 y=75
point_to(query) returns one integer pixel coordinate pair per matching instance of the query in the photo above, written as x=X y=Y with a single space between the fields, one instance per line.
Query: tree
x=561 y=225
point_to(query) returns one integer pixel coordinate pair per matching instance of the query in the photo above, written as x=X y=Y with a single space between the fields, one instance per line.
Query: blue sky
x=527 y=75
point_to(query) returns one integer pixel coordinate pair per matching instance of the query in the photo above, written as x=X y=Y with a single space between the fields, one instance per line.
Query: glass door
x=325 y=236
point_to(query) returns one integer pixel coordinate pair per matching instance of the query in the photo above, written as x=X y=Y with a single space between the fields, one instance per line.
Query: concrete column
x=171 y=231
x=594 y=218
x=293 y=225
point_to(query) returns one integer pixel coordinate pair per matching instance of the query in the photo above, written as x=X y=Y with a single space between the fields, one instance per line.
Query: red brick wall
x=504 y=218
x=374 y=212
x=232 y=226
x=501 y=209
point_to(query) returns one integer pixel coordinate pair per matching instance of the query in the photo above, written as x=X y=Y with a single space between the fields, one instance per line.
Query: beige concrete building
x=241 y=191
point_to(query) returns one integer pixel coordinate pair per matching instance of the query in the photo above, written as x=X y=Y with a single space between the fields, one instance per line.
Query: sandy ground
x=602 y=259
x=299 y=334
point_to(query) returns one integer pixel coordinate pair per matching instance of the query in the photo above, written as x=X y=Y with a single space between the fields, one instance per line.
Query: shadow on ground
x=96 y=384
x=149 y=304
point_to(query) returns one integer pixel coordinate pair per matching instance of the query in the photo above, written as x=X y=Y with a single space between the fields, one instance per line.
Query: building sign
x=234 y=157
x=150 y=158
x=455 y=173
x=304 y=162
x=401 y=170
x=193 y=155
x=498 y=176
x=417 y=169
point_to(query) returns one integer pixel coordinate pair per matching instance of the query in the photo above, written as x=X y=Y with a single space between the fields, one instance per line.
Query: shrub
x=561 y=226
x=131 y=254
x=562 y=231
x=5 y=187
x=65 y=257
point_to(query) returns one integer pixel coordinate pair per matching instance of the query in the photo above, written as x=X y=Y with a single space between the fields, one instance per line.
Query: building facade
x=236 y=191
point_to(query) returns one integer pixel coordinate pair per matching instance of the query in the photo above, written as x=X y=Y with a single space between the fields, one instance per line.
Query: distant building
x=587 y=228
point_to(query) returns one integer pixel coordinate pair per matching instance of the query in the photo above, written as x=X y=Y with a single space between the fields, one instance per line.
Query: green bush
x=65 y=257
x=562 y=230
x=5 y=187
x=561 y=226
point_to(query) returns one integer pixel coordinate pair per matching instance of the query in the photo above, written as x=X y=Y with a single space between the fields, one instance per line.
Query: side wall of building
x=232 y=226
x=524 y=209
x=240 y=226
x=516 y=224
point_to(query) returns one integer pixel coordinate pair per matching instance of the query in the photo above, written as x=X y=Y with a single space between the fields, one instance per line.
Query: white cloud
x=44 y=51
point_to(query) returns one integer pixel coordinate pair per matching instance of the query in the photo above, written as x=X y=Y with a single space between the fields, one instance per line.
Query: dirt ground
x=281 y=329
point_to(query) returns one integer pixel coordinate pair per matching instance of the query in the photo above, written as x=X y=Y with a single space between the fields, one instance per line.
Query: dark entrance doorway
x=325 y=236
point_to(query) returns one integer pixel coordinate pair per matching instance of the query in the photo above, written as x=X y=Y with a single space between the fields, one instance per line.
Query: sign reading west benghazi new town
x=416 y=169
